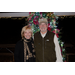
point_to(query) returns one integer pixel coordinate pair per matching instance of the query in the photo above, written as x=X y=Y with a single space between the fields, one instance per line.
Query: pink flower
x=53 y=31
x=36 y=17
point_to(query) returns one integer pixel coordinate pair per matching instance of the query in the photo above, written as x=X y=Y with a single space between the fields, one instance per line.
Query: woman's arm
x=16 y=52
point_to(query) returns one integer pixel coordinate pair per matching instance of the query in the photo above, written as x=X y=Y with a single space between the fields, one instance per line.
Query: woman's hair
x=24 y=29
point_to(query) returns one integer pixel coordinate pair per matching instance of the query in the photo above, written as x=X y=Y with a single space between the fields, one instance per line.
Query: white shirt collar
x=43 y=35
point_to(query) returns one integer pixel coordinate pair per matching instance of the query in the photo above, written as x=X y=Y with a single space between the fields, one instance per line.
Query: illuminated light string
x=14 y=18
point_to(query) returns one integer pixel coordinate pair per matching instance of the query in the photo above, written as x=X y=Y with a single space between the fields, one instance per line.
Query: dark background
x=10 y=29
x=67 y=24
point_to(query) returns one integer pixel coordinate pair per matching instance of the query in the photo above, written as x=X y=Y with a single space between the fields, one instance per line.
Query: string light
x=15 y=18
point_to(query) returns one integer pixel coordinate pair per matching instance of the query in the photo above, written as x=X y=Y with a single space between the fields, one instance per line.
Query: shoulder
x=37 y=33
x=19 y=42
x=51 y=33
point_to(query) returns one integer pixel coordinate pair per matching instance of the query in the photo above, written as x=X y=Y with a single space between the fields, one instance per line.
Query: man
x=46 y=44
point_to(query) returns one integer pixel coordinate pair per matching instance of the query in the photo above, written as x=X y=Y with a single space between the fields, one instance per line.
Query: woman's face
x=27 y=34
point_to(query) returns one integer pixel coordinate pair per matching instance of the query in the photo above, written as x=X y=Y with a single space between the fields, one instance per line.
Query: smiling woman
x=24 y=50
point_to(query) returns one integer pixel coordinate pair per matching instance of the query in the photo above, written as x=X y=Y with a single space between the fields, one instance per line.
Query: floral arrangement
x=51 y=17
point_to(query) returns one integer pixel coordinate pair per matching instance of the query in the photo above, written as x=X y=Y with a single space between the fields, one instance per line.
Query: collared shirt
x=57 y=48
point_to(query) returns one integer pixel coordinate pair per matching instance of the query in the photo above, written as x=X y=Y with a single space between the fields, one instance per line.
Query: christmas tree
x=51 y=17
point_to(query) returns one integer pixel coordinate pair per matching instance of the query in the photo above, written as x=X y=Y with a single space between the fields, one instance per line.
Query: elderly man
x=46 y=44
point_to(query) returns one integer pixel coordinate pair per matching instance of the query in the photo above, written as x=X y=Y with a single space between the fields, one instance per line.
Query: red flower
x=40 y=12
x=29 y=12
x=48 y=20
x=49 y=28
x=57 y=35
x=30 y=18
x=35 y=20
x=48 y=24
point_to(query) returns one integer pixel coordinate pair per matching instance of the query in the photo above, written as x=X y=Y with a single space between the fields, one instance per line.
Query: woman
x=24 y=49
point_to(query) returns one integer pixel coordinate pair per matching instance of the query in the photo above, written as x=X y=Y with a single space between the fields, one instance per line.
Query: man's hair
x=43 y=20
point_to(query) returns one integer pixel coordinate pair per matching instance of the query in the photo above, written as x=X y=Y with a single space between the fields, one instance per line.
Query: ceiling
x=21 y=14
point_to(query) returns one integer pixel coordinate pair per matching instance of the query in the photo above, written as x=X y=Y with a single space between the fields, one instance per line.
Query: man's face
x=43 y=27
